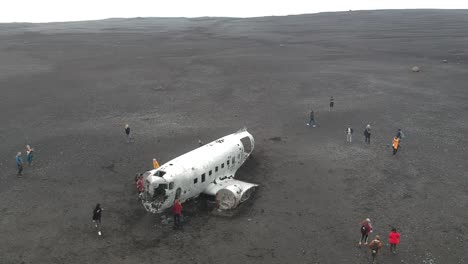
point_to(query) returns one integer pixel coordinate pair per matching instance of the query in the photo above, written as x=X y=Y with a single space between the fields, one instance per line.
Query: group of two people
x=376 y=244
x=312 y=116
x=396 y=141
x=19 y=159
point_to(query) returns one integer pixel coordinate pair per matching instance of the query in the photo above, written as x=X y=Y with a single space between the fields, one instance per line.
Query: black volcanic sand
x=68 y=89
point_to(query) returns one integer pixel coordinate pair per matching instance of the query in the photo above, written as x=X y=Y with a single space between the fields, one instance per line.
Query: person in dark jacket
x=366 y=228
x=128 y=133
x=312 y=119
x=30 y=154
x=400 y=134
x=97 y=217
x=19 y=164
x=177 y=211
x=367 y=134
x=394 y=240
x=332 y=102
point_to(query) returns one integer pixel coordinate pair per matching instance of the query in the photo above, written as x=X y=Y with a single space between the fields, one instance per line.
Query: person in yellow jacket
x=395 y=144
x=155 y=164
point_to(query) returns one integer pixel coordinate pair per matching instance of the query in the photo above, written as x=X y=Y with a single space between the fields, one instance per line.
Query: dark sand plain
x=68 y=89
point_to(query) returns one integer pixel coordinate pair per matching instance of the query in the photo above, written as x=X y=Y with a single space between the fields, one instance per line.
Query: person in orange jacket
x=395 y=144
x=155 y=164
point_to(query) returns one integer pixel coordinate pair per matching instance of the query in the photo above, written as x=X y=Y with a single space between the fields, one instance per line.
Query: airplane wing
x=230 y=192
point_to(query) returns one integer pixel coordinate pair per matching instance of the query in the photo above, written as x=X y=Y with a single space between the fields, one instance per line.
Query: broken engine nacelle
x=232 y=195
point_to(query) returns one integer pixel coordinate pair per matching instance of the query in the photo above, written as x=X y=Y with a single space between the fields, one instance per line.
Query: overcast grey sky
x=73 y=10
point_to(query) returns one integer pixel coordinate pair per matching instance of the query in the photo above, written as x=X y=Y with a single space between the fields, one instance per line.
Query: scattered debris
x=110 y=167
x=277 y=139
x=415 y=69
x=165 y=220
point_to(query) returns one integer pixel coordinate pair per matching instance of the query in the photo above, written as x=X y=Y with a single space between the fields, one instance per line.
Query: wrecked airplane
x=209 y=169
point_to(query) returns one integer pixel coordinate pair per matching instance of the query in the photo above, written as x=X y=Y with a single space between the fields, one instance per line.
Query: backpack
x=375 y=246
x=363 y=229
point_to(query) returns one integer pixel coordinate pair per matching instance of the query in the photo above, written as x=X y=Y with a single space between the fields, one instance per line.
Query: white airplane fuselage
x=207 y=169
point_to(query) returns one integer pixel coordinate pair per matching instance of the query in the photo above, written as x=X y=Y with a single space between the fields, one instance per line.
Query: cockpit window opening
x=159 y=173
x=216 y=169
x=203 y=177
x=171 y=185
x=195 y=181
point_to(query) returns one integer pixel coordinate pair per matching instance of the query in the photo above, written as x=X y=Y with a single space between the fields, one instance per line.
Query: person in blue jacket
x=19 y=163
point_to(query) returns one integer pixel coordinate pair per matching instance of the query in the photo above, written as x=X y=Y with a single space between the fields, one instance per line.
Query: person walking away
x=349 y=134
x=127 y=132
x=375 y=247
x=30 y=155
x=366 y=228
x=400 y=134
x=332 y=103
x=97 y=218
x=395 y=144
x=19 y=164
x=367 y=134
x=394 y=240
x=155 y=164
x=177 y=211
x=312 y=119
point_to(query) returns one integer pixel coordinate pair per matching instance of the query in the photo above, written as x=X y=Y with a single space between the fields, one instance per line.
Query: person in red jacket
x=394 y=240
x=177 y=211
x=366 y=228
x=140 y=185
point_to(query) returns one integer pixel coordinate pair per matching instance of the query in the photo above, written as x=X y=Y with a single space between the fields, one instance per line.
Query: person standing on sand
x=312 y=119
x=29 y=152
x=400 y=134
x=366 y=228
x=177 y=211
x=97 y=218
x=349 y=134
x=127 y=132
x=394 y=240
x=140 y=186
x=367 y=134
x=332 y=103
x=395 y=144
x=19 y=164
x=375 y=247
